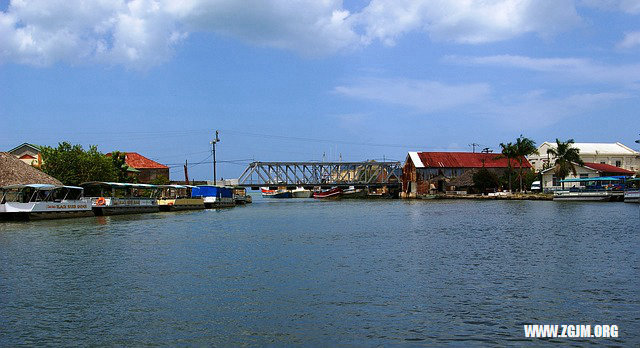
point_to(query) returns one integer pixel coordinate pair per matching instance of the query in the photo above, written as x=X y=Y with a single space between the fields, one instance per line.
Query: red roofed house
x=590 y=170
x=433 y=172
x=148 y=169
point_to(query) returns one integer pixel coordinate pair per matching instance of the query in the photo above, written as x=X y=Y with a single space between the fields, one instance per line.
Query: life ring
x=101 y=201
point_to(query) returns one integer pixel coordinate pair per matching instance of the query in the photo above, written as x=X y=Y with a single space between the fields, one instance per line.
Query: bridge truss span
x=321 y=174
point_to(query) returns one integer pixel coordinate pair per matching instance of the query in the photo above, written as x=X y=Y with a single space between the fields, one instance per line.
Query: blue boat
x=214 y=196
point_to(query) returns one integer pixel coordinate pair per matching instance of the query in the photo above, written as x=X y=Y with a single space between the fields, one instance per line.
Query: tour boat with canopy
x=632 y=191
x=178 y=197
x=42 y=201
x=606 y=188
x=114 y=198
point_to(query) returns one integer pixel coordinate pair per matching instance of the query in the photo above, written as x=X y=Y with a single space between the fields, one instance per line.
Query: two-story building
x=614 y=154
x=551 y=182
x=27 y=153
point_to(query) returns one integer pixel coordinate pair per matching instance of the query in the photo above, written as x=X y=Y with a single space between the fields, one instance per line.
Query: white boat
x=301 y=192
x=178 y=197
x=42 y=201
x=608 y=188
x=632 y=196
x=601 y=196
x=115 y=198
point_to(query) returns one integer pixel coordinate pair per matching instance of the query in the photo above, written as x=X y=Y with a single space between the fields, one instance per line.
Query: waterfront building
x=590 y=170
x=28 y=153
x=615 y=154
x=146 y=170
x=437 y=172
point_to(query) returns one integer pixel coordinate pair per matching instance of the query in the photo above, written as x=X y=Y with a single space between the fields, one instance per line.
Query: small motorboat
x=301 y=192
x=335 y=192
x=279 y=193
x=353 y=192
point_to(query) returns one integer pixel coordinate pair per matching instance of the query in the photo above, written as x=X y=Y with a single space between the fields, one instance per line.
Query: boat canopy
x=602 y=178
x=118 y=184
x=176 y=186
x=41 y=187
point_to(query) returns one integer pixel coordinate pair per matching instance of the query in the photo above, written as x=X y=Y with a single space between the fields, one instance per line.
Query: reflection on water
x=322 y=273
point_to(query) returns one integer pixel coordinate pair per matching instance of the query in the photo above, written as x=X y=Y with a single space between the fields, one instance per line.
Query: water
x=304 y=272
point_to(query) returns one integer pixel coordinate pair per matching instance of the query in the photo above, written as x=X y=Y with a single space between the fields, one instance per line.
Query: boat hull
x=602 y=196
x=45 y=210
x=301 y=193
x=218 y=202
x=120 y=206
x=178 y=204
x=632 y=197
x=284 y=194
x=329 y=194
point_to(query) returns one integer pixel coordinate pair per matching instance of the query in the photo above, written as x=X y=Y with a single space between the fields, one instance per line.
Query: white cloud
x=142 y=33
x=630 y=40
x=466 y=21
x=424 y=96
x=576 y=68
x=628 y=6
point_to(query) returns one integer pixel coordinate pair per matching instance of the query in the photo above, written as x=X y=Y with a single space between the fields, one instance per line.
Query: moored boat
x=333 y=193
x=353 y=192
x=301 y=192
x=115 y=198
x=43 y=201
x=602 y=189
x=632 y=192
x=214 y=196
x=240 y=195
x=279 y=193
x=178 y=197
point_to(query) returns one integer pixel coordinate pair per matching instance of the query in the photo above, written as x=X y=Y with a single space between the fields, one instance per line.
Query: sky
x=313 y=80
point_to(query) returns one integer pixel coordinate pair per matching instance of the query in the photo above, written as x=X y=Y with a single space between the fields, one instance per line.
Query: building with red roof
x=432 y=172
x=588 y=170
x=146 y=170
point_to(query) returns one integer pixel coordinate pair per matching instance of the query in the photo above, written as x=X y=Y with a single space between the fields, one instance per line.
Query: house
x=146 y=170
x=27 y=153
x=615 y=154
x=590 y=170
x=432 y=172
x=14 y=171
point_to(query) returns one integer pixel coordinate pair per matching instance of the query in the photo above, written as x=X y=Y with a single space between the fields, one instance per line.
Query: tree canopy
x=566 y=158
x=73 y=165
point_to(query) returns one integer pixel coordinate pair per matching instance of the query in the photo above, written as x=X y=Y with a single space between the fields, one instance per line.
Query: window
x=618 y=163
x=603 y=162
x=555 y=181
x=583 y=176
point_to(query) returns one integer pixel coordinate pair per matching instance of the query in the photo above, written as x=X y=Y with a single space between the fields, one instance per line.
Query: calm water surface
x=304 y=272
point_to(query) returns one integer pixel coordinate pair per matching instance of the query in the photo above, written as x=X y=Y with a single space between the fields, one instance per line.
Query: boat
x=214 y=196
x=602 y=189
x=632 y=192
x=178 y=197
x=334 y=193
x=240 y=195
x=116 y=198
x=43 y=201
x=301 y=192
x=279 y=193
x=352 y=192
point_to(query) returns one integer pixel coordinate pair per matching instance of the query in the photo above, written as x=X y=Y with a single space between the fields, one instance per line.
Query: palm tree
x=566 y=158
x=524 y=147
x=508 y=152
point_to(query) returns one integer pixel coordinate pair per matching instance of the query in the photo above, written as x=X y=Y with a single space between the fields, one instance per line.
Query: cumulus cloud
x=576 y=68
x=630 y=40
x=471 y=22
x=424 y=96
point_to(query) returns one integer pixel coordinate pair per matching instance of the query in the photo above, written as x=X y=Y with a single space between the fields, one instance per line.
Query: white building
x=614 y=154
x=589 y=170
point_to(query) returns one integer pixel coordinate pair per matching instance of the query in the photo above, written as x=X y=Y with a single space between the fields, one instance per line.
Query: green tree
x=522 y=148
x=484 y=179
x=566 y=158
x=160 y=180
x=509 y=152
x=72 y=165
x=120 y=165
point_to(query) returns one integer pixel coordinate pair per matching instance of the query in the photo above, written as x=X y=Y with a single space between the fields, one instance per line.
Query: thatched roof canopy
x=15 y=172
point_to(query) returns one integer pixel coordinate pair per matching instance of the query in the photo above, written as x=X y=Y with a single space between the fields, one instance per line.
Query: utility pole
x=213 y=150
x=473 y=145
x=186 y=172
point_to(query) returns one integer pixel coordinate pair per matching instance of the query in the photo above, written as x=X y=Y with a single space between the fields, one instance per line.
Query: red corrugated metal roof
x=467 y=160
x=607 y=168
x=136 y=160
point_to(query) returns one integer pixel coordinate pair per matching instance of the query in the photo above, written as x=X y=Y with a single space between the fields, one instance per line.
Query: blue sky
x=291 y=80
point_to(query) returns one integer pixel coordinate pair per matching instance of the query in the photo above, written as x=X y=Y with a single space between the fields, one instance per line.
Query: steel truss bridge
x=325 y=174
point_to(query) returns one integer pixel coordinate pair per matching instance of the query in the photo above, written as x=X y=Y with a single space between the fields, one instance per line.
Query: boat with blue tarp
x=214 y=196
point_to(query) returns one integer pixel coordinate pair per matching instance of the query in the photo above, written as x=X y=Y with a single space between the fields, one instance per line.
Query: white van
x=536 y=187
